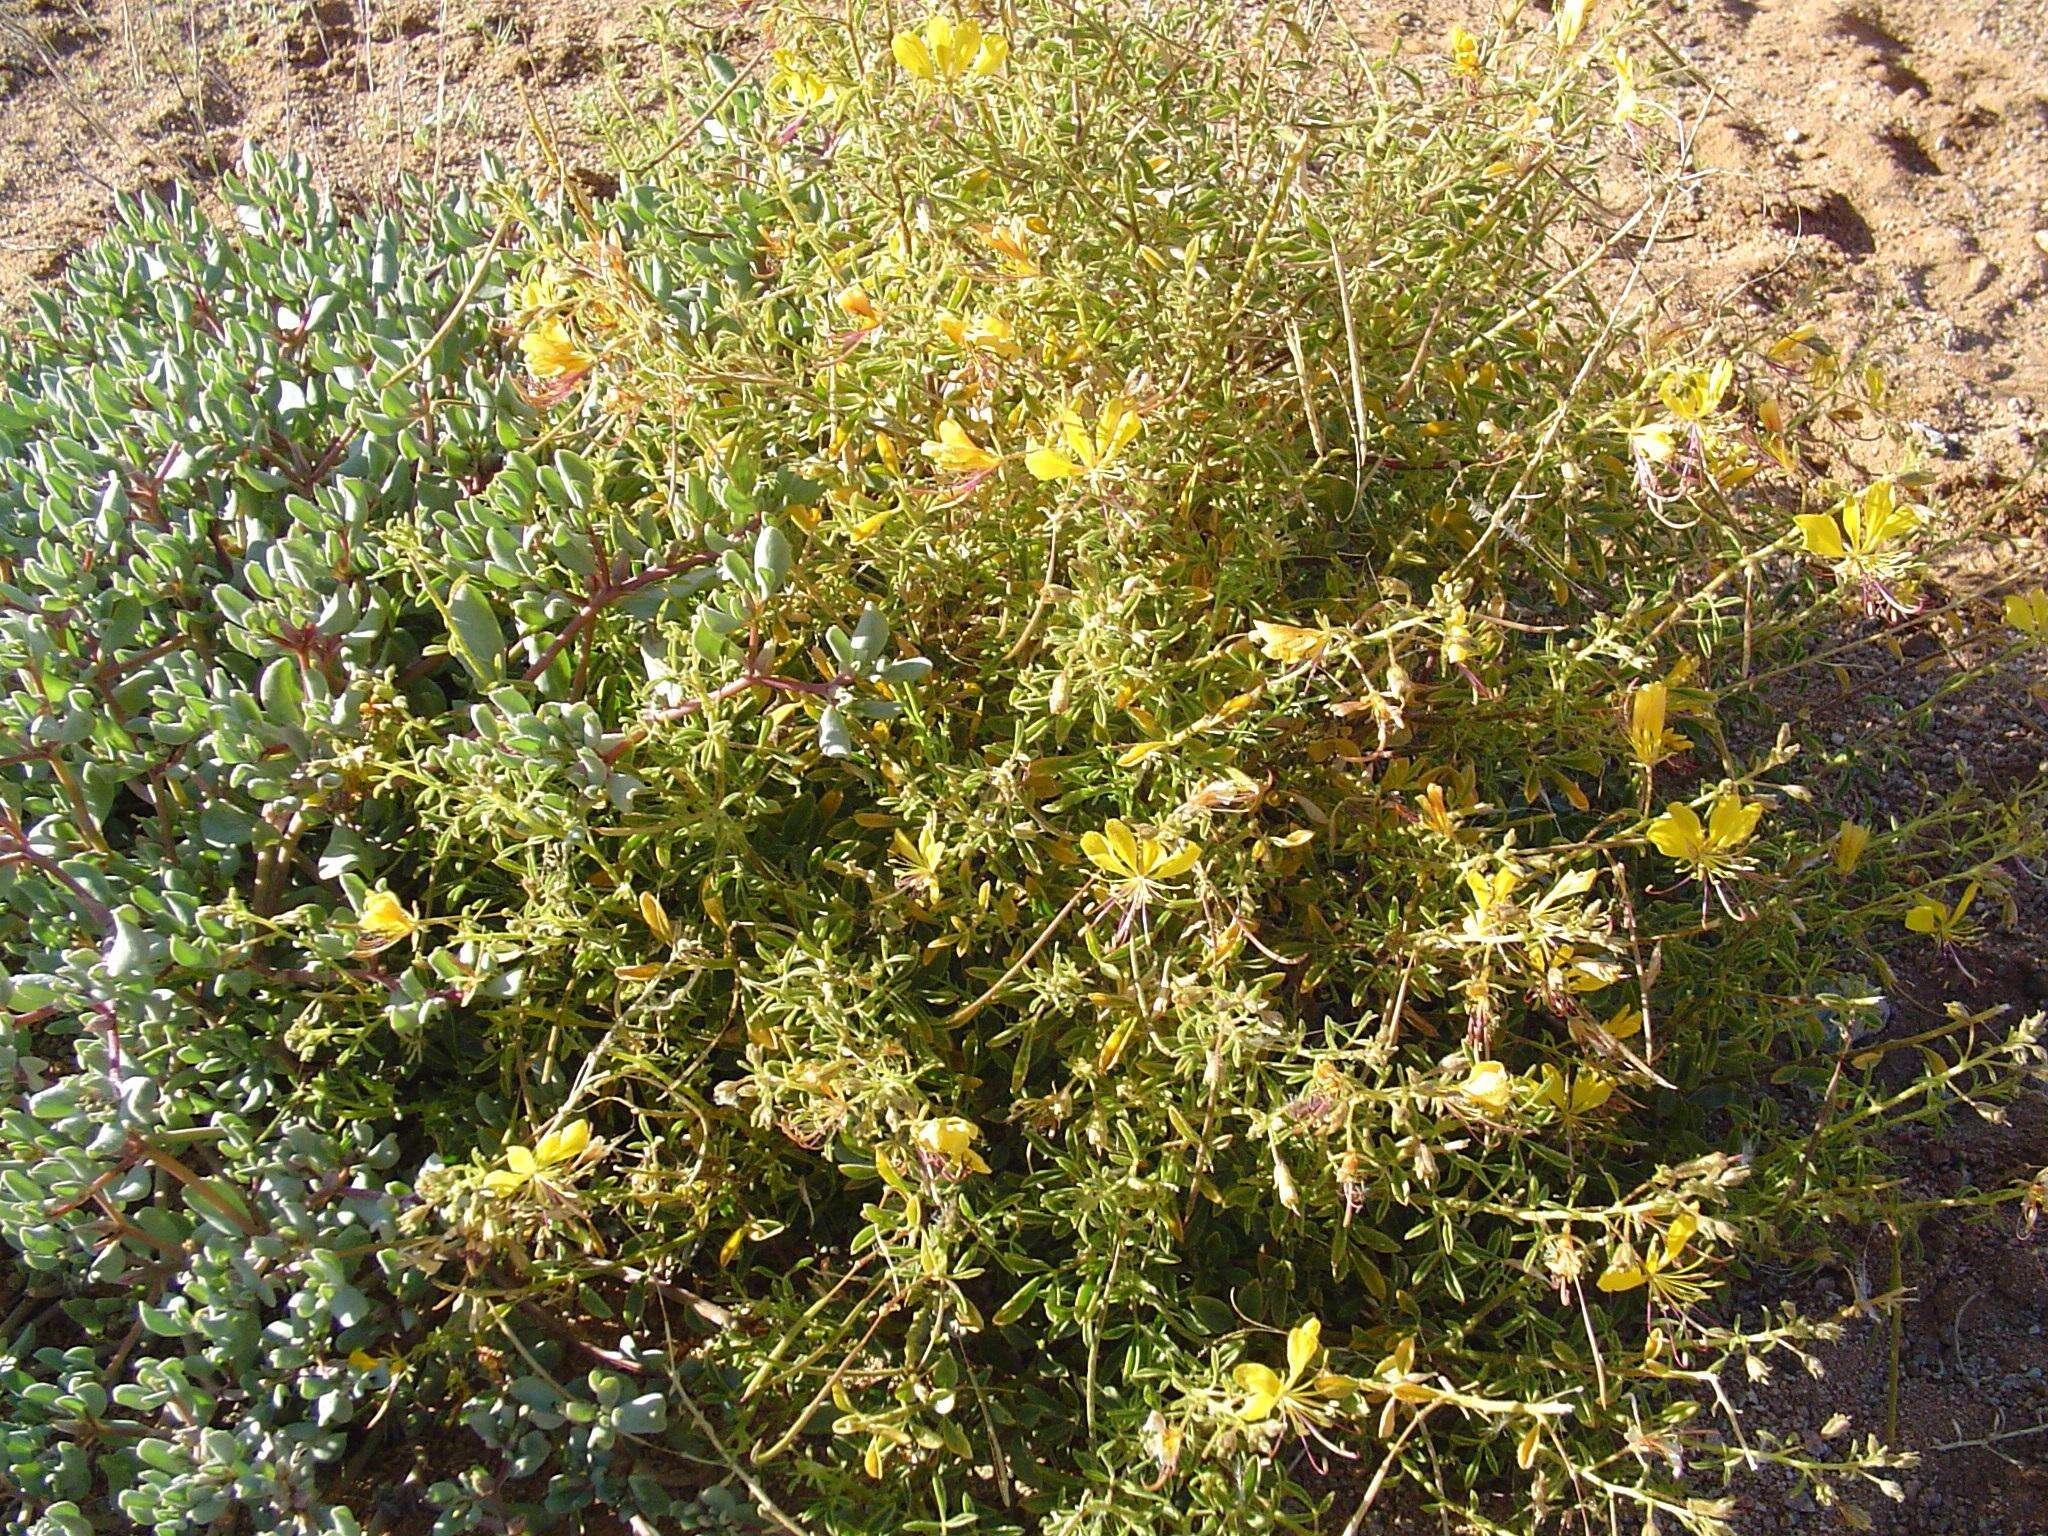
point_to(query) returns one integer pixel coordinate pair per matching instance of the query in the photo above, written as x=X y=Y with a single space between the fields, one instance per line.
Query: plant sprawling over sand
x=1044 y=794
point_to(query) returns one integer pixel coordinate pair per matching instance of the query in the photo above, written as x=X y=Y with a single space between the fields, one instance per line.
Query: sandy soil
x=1958 y=1374
x=103 y=97
x=1885 y=165
x=1884 y=161
x=1890 y=160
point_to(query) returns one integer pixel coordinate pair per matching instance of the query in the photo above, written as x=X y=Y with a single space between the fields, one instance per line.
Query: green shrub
x=1043 y=790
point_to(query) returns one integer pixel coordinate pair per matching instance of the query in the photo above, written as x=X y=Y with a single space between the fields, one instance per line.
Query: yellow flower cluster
x=1491 y=1087
x=949 y=51
x=544 y=1164
x=1079 y=450
x=950 y=1140
x=1711 y=848
x=1138 y=866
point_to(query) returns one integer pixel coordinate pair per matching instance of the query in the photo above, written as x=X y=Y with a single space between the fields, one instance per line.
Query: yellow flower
x=1625 y=1023
x=1463 y=49
x=1647 y=738
x=2027 y=612
x=1799 y=349
x=1655 y=441
x=1458 y=636
x=1850 y=841
x=1578 y=1095
x=1568 y=18
x=1289 y=644
x=984 y=333
x=1945 y=924
x=867 y=527
x=958 y=454
x=1298 y=1398
x=951 y=1140
x=1489 y=1086
x=1138 y=865
x=855 y=303
x=1660 y=1267
x=1857 y=537
x=1628 y=101
x=551 y=352
x=1010 y=238
x=385 y=919
x=1491 y=894
x=950 y=51
x=1397 y=1377
x=1694 y=394
x=926 y=858
x=1087 y=453
x=1439 y=813
x=1710 y=849
x=558 y=1151
x=800 y=87
x=540 y=291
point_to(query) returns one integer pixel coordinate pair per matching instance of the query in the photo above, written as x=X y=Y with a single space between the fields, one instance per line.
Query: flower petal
x=912 y=54
x=1679 y=1233
x=1677 y=834
x=565 y=1145
x=1050 y=464
x=1822 y=535
x=385 y=917
x=1624 y=1274
x=1488 y=1085
x=1261 y=1387
x=1115 y=426
x=1124 y=842
x=1304 y=1343
x=1731 y=821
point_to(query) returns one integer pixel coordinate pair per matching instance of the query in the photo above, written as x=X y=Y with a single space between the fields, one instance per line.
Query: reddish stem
x=604 y=597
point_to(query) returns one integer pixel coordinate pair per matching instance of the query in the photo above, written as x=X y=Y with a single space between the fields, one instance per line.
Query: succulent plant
x=267 y=491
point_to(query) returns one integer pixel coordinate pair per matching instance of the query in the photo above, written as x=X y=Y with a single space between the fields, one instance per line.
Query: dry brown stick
x=962 y=1014
x=462 y=299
